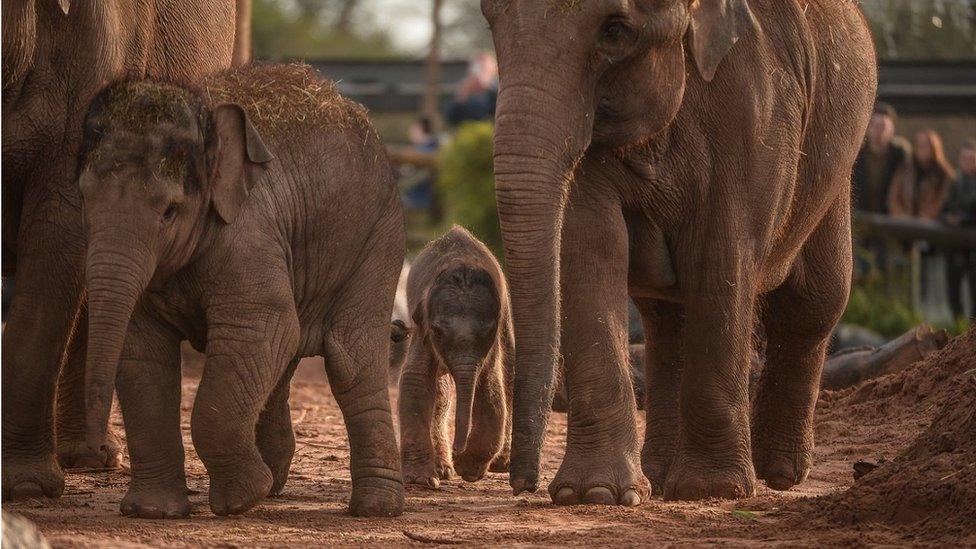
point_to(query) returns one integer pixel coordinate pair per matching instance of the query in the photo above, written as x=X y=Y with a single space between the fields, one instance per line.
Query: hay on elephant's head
x=274 y=95
x=144 y=104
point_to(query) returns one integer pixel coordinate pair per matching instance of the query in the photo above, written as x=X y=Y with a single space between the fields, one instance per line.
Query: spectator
x=932 y=177
x=960 y=211
x=419 y=192
x=883 y=171
x=478 y=93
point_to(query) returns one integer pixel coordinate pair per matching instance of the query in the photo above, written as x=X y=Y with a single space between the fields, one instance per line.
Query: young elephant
x=257 y=218
x=463 y=327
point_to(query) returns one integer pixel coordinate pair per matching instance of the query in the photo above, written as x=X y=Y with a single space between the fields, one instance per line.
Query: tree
x=923 y=29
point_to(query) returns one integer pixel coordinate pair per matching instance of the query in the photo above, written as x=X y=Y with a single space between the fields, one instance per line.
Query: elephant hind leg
x=274 y=434
x=663 y=325
x=798 y=318
x=357 y=349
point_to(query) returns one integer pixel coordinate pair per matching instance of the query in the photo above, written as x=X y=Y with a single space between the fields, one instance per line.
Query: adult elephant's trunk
x=465 y=379
x=541 y=132
x=117 y=274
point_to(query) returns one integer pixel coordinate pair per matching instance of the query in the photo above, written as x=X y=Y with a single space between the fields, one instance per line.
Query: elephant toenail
x=600 y=496
x=630 y=499
x=565 y=496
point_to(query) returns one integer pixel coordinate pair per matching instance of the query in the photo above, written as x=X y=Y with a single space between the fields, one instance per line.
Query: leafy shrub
x=466 y=183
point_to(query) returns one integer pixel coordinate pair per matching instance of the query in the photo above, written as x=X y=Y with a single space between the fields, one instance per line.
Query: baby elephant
x=459 y=302
x=258 y=218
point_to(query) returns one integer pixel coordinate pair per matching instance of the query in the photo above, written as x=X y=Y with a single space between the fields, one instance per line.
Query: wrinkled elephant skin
x=56 y=57
x=694 y=155
x=208 y=220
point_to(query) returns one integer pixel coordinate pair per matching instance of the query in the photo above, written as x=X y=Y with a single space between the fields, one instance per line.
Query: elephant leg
x=663 y=324
x=249 y=346
x=602 y=460
x=274 y=435
x=357 y=363
x=487 y=427
x=502 y=461
x=73 y=450
x=713 y=454
x=443 y=461
x=799 y=317
x=148 y=385
x=420 y=427
x=42 y=314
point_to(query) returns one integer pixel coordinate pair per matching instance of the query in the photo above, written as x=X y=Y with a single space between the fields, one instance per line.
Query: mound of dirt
x=929 y=488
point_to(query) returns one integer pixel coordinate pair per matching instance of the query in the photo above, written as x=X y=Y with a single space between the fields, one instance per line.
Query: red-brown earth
x=921 y=422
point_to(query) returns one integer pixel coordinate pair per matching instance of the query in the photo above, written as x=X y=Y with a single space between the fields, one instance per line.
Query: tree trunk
x=242 y=37
x=432 y=96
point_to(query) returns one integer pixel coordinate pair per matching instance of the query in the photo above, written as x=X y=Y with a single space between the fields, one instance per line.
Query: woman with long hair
x=933 y=176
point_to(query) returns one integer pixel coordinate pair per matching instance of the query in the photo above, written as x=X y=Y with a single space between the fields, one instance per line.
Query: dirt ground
x=921 y=422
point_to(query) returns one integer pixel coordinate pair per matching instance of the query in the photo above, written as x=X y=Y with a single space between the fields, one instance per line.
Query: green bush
x=466 y=183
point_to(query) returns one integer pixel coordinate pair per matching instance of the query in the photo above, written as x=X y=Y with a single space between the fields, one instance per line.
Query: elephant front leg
x=148 y=386
x=73 y=450
x=799 y=317
x=249 y=347
x=420 y=431
x=602 y=461
x=274 y=435
x=48 y=286
x=713 y=456
x=663 y=322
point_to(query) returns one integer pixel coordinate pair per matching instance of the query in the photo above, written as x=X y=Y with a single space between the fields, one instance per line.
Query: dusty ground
x=879 y=420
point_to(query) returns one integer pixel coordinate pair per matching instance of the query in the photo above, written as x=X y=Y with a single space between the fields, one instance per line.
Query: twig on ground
x=430 y=539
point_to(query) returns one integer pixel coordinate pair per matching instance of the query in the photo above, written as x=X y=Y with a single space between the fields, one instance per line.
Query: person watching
x=883 y=170
x=960 y=211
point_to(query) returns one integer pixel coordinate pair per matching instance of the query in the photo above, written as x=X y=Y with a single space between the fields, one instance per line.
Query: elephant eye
x=171 y=211
x=614 y=32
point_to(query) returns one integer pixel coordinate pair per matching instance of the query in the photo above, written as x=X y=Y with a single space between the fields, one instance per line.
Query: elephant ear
x=716 y=25
x=239 y=155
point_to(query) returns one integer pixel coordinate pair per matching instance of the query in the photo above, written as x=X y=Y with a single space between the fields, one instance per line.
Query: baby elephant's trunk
x=465 y=379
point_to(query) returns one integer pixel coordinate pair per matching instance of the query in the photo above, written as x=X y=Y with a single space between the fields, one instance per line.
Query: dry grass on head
x=274 y=95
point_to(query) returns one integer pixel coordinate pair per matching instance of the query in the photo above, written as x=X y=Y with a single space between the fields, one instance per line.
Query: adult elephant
x=57 y=55
x=694 y=155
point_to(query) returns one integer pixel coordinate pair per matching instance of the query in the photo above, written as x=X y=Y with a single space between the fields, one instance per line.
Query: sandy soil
x=866 y=423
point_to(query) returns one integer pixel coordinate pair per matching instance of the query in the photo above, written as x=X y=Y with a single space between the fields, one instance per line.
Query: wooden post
x=433 y=92
x=242 y=36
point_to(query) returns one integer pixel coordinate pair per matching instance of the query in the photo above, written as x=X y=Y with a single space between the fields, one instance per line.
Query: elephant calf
x=459 y=302
x=257 y=218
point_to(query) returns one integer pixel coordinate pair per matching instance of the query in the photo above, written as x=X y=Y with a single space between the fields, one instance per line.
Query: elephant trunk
x=116 y=276
x=540 y=135
x=465 y=380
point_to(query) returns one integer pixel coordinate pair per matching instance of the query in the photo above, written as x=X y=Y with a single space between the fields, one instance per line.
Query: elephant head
x=459 y=316
x=576 y=75
x=159 y=174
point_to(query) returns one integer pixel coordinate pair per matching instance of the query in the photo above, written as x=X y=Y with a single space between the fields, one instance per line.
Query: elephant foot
x=471 y=467
x=782 y=469
x=600 y=478
x=444 y=468
x=156 y=502
x=500 y=463
x=28 y=476
x=376 y=497
x=427 y=474
x=74 y=453
x=277 y=448
x=692 y=480
x=241 y=488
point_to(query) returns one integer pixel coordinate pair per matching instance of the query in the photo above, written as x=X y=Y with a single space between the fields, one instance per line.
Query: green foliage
x=880 y=300
x=466 y=183
x=281 y=30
